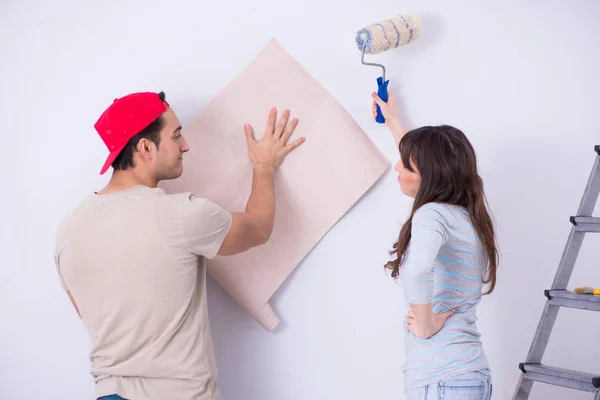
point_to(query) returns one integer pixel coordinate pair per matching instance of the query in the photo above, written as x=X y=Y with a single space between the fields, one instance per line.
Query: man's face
x=168 y=163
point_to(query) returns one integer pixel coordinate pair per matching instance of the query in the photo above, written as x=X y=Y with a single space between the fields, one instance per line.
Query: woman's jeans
x=470 y=386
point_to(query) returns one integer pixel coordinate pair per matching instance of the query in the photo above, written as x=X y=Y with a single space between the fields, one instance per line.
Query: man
x=131 y=257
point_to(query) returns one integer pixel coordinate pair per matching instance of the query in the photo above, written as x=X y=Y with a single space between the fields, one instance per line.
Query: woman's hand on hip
x=426 y=329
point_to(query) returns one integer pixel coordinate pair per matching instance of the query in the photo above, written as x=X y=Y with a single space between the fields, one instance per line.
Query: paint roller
x=384 y=35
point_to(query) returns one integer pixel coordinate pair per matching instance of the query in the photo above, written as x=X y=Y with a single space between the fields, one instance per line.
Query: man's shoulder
x=188 y=200
x=66 y=222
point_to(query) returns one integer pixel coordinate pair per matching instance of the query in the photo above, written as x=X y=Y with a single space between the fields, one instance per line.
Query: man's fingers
x=271 y=121
x=294 y=145
x=282 y=123
x=289 y=130
x=249 y=133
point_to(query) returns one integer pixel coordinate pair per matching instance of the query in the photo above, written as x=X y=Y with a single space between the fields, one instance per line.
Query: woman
x=445 y=254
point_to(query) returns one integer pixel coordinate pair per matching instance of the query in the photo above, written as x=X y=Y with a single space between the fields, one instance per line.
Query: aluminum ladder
x=532 y=370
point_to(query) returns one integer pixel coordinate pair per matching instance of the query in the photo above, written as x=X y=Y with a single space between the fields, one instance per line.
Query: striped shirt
x=444 y=265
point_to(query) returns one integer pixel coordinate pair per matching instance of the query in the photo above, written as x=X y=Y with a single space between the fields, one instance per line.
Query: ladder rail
x=591 y=191
x=568 y=259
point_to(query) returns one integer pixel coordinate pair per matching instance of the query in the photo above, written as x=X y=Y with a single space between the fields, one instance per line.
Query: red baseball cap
x=126 y=117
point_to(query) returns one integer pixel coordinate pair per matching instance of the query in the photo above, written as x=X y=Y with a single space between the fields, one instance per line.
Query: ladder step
x=560 y=377
x=586 y=224
x=567 y=298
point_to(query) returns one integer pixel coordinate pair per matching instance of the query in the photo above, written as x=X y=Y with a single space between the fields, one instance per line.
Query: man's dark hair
x=152 y=132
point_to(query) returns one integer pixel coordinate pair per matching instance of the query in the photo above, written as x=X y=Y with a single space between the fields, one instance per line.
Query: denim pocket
x=462 y=390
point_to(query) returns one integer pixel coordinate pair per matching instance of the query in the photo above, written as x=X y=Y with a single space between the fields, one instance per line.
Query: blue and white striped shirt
x=445 y=265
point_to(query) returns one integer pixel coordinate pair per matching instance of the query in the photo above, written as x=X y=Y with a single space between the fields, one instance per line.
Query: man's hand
x=254 y=226
x=272 y=148
x=426 y=329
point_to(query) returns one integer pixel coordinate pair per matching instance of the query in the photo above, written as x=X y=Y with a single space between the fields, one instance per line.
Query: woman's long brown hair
x=447 y=164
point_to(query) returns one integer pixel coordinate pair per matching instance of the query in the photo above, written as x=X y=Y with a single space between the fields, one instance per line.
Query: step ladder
x=532 y=370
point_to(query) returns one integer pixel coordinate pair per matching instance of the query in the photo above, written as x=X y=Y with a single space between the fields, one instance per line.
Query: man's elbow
x=262 y=240
x=263 y=236
x=262 y=233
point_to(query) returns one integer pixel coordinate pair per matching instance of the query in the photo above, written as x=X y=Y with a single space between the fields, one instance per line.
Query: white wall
x=520 y=78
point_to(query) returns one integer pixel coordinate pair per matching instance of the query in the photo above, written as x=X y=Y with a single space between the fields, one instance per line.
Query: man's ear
x=144 y=146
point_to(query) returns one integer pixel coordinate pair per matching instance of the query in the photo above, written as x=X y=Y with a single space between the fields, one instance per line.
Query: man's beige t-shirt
x=134 y=263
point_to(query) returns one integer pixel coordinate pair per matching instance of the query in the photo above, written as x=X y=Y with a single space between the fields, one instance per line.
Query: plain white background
x=519 y=78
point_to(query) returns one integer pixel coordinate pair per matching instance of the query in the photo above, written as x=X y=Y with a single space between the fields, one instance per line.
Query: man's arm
x=73 y=302
x=254 y=226
x=62 y=281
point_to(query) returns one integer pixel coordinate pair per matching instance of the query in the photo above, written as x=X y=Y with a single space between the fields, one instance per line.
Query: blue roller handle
x=382 y=92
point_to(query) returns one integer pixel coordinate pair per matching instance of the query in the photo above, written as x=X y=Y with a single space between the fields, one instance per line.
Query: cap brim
x=111 y=158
